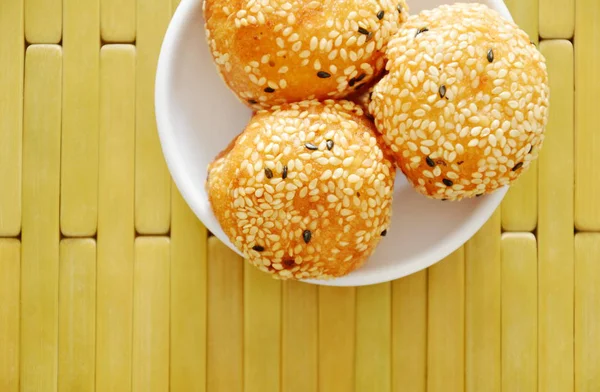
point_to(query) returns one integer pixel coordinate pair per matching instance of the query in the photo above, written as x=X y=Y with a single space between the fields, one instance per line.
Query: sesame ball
x=271 y=52
x=305 y=191
x=465 y=102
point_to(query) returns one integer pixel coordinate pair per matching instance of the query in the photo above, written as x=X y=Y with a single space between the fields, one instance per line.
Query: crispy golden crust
x=293 y=50
x=306 y=191
x=465 y=102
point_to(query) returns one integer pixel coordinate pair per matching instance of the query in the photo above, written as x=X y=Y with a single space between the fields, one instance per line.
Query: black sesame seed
x=517 y=166
x=490 y=55
x=479 y=195
x=352 y=82
x=258 y=248
x=307 y=235
x=361 y=77
x=359 y=86
x=442 y=91
x=311 y=146
x=380 y=14
x=430 y=162
x=364 y=31
x=323 y=74
x=530 y=150
x=289 y=263
x=268 y=173
x=447 y=182
x=460 y=162
x=422 y=30
x=252 y=102
x=384 y=233
x=284 y=174
x=329 y=144
x=399 y=8
x=269 y=90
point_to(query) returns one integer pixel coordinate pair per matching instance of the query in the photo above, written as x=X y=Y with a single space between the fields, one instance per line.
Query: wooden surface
x=555 y=225
x=114 y=298
x=483 y=277
x=135 y=295
x=519 y=314
x=12 y=54
x=77 y=315
x=587 y=319
x=40 y=234
x=587 y=147
x=79 y=150
x=152 y=181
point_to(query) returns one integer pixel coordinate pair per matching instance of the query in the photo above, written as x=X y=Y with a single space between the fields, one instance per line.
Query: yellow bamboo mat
x=109 y=283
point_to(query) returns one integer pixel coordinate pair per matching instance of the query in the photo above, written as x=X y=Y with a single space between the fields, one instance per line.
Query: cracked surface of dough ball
x=465 y=103
x=305 y=191
x=271 y=52
x=362 y=97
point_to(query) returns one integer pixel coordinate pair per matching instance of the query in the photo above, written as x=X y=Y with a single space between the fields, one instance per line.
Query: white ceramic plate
x=198 y=116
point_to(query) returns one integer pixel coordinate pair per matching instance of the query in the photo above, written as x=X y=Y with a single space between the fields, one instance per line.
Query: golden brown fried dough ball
x=305 y=191
x=465 y=103
x=272 y=52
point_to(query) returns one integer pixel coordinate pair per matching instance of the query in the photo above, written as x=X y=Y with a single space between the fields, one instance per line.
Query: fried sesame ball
x=271 y=52
x=305 y=191
x=465 y=103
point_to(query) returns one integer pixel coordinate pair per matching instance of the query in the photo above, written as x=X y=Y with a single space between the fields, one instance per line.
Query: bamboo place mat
x=109 y=283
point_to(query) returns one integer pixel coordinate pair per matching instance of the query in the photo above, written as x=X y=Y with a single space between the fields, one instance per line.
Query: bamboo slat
x=225 y=329
x=188 y=298
x=77 y=315
x=337 y=318
x=117 y=20
x=43 y=21
x=519 y=313
x=557 y=18
x=299 y=337
x=115 y=219
x=11 y=115
x=152 y=180
x=587 y=139
x=79 y=151
x=150 y=371
x=483 y=301
x=587 y=303
x=10 y=279
x=555 y=226
x=446 y=325
x=40 y=235
x=373 y=338
x=262 y=331
x=409 y=333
